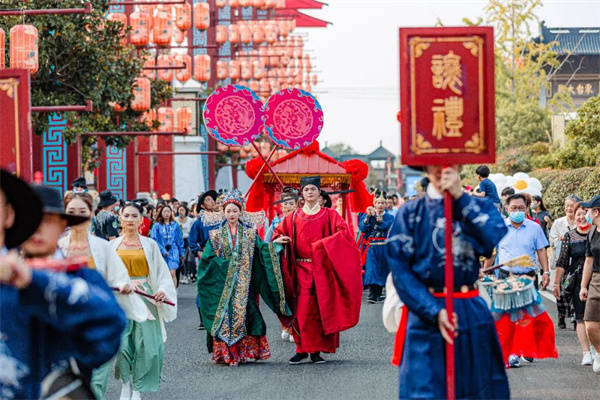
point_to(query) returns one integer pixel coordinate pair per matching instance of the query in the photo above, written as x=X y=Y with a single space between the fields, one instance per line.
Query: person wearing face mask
x=590 y=280
x=237 y=266
x=566 y=288
x=559 y=228
x=524 y=237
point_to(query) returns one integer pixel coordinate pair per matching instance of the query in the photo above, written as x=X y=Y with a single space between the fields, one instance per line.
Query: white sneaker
x=292 y=339
x=285 y=335
x=513 y=361
x=596 y=365
x=587 y=358
x=136 y=395
x=126 y=391
x=184 y=280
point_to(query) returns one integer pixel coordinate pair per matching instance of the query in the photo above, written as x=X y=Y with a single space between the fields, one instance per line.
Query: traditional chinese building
x=579 y=52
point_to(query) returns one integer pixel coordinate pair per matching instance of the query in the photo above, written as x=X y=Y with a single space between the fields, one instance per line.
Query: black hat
x=26 y=205
x=209 y=193
x=310 y=180
x=52 y=203
x=593 y=203
x=107 y=199
x=79 y=185
x=327 y=203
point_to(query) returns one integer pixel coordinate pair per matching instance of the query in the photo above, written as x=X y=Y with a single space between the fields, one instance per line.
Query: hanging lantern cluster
x=23 y=47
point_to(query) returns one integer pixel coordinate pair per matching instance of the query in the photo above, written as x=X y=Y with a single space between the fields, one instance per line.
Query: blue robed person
x=416 y=256
x=375 y=225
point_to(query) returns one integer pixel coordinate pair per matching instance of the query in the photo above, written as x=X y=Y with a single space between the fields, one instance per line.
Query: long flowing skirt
x=249 y=348
x=141 y=356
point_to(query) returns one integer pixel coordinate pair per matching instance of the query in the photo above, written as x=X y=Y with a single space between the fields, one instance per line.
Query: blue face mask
x=588 y=217
x=517 y=216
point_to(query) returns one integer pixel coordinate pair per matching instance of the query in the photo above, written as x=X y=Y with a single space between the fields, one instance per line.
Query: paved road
x=360 y=370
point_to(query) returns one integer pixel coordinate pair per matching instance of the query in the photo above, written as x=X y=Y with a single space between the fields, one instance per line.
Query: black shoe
x=561 y=323
x=381 y=299
x=201 y=327
x=316 y=358
x=298 y=358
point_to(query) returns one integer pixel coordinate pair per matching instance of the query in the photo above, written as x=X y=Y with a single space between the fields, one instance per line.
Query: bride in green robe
x=235 y=268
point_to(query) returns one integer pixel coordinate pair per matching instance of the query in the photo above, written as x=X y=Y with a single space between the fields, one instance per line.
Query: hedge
x=558 y=184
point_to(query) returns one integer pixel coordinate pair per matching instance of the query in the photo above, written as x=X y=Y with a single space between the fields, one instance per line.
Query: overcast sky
x=357 y=58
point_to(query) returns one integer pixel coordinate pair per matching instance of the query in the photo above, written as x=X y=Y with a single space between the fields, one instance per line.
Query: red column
x=101 y=170
x=143 y=178
x=164 y=170
x=73 y=162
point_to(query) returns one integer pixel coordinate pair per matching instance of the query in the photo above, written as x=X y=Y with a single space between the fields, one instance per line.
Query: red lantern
x=234 y=33
x=315 y=80
x=221 y=69
x=150 y=11
x=246 y=69
x=141 y=95
x=183 y=75
x=234 y=3
x=116 y=106
x=245 y=3
x=234 y=69
x=24 y=47
x=1 y=48
x=202 y=67
x=184 y=119
x=165 y=118
x=254 y=86
x=149 y=73
x=258 y=34
x=183 y=18
x=178 y=35
x=245 y=34
x=140 y=28
x=258 y=69
x=166 y=8
x=221 y=147
x=221 y=34
x=165 y=60
x=201 y=16
x=221 y=3
x=271 y=33
x=122 y=18
x=264 y=87
x=161 y=34
x=148 y=117
x=258 y=3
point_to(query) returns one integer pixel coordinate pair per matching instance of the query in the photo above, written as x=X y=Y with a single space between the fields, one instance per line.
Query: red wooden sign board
x=447 y=95
x=15 y=123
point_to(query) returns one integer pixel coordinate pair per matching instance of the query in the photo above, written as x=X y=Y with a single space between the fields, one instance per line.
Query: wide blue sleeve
x=385 y=223
x=365 y=223
x=81 y=309
x=158 y=238
x=482 y=224
x=193 y=238
x=179 y=241
x=400 y=251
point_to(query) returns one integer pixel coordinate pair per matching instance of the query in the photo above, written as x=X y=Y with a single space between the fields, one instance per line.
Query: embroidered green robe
x=232 y=271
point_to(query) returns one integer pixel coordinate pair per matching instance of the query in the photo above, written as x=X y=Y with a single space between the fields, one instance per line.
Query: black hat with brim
x=107 y=198
x=26 y=205
x=593 y=203
x=209 y=193
x=310 y=180
x=52 y=203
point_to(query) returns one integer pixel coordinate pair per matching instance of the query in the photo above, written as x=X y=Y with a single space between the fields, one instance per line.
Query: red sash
x=367 y=244
x=401 y=332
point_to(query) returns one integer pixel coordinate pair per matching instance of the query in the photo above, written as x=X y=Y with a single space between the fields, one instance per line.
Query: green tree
x=340 y=149
x=80 y=58
x=524 y=67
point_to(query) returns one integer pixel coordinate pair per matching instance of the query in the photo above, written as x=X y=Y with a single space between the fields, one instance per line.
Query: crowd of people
x=95 y=281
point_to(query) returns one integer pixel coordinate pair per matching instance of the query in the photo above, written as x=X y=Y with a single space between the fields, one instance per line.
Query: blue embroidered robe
x=416 y=254
x=375 y=232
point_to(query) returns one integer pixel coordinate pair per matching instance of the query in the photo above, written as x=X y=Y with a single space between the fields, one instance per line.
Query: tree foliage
x=340 y=149
x=80 y=58
x=524 y=67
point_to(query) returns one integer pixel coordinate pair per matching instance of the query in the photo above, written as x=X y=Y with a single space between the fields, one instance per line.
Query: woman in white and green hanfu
x=236 y=267
x=139 y=362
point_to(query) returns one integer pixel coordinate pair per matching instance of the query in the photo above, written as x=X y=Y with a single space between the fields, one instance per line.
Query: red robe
x=324 y=294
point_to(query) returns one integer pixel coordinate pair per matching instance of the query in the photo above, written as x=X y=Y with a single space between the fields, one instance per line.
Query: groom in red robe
x=321 y=273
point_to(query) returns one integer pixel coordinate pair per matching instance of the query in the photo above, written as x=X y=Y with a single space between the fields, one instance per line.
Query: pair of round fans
x=235 y=116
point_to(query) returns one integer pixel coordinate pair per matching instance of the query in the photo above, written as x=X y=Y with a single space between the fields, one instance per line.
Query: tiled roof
x=578 y=41
x=381 y=153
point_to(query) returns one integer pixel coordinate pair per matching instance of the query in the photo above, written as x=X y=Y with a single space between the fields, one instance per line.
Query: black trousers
x=375 y=292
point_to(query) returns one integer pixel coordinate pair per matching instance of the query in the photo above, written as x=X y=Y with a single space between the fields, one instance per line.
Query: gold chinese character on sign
x=447 y=72
x=447 y=117
x=579 y=89
x=588 y=88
